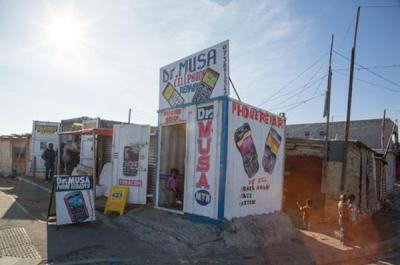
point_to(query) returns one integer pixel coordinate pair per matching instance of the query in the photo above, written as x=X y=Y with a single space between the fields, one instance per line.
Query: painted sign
x=130 y=159
x=205 y=116
x=172 y=116
x=46 y=129
x=196 y=78
x=116 y=200
x=74 y=199
x=255 y=162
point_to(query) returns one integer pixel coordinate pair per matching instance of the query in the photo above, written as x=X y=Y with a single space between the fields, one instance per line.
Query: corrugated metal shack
x=304 y=175
x=15 y=154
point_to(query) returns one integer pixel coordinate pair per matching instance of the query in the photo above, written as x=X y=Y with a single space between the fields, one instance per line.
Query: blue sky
x=107 y=60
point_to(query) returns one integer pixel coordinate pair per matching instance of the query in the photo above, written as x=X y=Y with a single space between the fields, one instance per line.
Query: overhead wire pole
x=346 y=135
x=230 y=80
x=327 y=109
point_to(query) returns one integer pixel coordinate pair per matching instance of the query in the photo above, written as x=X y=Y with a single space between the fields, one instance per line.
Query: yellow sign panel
x=44 y=129
x=116 y=200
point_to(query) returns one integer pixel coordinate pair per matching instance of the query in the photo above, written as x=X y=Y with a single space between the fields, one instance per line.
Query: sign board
x=46 y=129
x=196 y=78
x=172 y=116
x=256 y=145
x=130 y=159
x=116 y=200
x=74 y=199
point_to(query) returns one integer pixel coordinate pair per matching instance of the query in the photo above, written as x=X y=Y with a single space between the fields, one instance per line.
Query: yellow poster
x=116 y=200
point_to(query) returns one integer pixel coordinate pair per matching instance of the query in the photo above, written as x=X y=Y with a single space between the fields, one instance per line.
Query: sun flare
x=64 y=34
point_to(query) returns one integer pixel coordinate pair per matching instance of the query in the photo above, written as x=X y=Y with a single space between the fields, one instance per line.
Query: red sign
x=172 y=116
x=130 y=182
x=247 y=112
x=203 y=148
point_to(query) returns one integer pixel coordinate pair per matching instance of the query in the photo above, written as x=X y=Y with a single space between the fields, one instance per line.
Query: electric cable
x=291 y=81
x=371 y=83
x=368 y=70
x=303 y=102
x=304 y=87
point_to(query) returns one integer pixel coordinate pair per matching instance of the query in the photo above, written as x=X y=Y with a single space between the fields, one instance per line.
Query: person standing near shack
x=49 y=157
x=344 y=216
x=306 y=213
x=353 y=216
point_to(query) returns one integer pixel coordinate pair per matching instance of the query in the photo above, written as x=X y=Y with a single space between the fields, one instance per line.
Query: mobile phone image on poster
x=172 y=96
x=206 y=86
x=245 y=145
x=76 y=206
x=272 y=143
x=130 y=165
x=74 y=199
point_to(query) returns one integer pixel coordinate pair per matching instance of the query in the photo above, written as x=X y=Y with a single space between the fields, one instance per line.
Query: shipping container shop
x=218 y=158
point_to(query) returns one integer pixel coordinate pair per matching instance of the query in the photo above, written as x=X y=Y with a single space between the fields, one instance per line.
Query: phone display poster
x=74 y=199
x=255 y=161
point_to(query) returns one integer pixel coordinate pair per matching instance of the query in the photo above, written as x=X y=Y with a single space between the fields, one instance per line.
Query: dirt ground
x=145 y=234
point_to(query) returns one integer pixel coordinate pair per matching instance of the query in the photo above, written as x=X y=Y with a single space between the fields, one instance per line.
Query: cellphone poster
x=196 y=78
x=255 y=165
x=74 y=199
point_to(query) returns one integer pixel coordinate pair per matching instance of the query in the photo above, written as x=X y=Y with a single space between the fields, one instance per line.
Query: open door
x=172 y=166
x=130 y=159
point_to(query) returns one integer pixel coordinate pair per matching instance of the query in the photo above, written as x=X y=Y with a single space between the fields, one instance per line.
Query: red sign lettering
x=256 y=115
x=204 y=148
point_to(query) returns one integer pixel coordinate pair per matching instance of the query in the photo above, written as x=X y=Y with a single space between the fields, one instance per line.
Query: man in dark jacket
x=49 y=157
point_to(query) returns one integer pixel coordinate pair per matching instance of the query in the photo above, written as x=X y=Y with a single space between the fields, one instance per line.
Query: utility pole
x=346 y=135
x=129 y=115
x=383 y=130
x=327 y=110
x=383 y=179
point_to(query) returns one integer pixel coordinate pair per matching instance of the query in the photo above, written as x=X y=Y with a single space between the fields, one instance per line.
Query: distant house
x=14 y=154
x=368 y=132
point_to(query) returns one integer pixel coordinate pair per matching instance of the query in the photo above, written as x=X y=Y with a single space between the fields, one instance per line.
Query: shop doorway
x=172 y=162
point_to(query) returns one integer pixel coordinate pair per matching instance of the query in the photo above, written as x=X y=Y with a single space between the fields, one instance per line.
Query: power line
x=368 y=70
x=347 y=31
x=304 y=102
x=391 y=6
x=279 y=106
x=304 y=87
x=372 y=84
x=294 y=79
x=371 y=67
